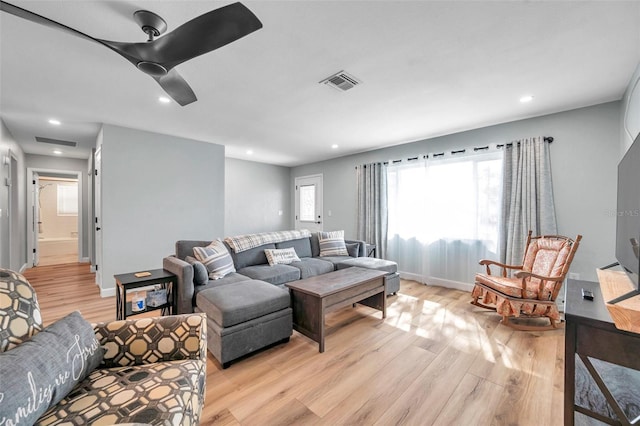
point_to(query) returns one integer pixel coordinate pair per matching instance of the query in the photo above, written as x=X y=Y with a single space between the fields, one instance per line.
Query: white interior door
x=308 y=199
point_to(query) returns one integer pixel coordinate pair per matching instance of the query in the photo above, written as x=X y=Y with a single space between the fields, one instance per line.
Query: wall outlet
x=574 y=276
x=329 y=213
x=279 y=212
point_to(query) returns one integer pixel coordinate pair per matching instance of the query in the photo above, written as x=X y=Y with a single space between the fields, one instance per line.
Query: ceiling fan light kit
x=157 y=57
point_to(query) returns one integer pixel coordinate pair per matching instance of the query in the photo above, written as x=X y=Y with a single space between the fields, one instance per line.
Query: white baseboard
x=84 y=260
x=92 y=268
x=437 y=281
x=108 y=292
x=23 y=268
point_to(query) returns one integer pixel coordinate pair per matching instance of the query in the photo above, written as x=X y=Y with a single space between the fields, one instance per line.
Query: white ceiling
x=428 y=68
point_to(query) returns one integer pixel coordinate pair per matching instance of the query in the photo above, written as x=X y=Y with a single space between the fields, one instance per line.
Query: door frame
x=32 y=232
x=319 y=201
x=14 y=212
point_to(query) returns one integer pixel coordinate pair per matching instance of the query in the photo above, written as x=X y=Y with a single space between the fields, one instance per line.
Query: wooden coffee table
x=312 y=298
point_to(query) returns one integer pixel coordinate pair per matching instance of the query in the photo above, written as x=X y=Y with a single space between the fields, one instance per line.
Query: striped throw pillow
x=216 y=258
x=281 y=256
x=332 y=244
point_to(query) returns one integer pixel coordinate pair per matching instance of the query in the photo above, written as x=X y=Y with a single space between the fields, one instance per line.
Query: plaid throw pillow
x=282 y=256
x=216 y=258
x=332 y=244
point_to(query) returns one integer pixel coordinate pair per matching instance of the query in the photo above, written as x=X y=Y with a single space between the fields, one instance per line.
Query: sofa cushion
x=281 y=256
x=231 y=278
x=216 y=258
x=250 y=257
x=332 y=244
x=302 y=246
x=200 y=273
x=370 y=263
x=161 y=393
x=336 y=260
x=234 y=304
x=312 y=266
x=48 y=365
x=276 y=274
x=19 y=310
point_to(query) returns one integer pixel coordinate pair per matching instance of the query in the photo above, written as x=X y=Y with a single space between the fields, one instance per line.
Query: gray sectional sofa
x=249 y=309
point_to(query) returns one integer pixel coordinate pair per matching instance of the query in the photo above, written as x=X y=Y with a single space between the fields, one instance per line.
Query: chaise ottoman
x=243 y=317
x=391 y=280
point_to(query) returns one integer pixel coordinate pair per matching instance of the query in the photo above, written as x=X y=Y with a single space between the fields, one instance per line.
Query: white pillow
x=216 y=259
x=281 y=256
x=332 y=244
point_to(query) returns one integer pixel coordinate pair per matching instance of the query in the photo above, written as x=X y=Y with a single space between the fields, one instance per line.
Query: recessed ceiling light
x=57 y=152
x=249 y=152
x=164 y=100
x=525 y=99
x=54 y=122
x=334 y=146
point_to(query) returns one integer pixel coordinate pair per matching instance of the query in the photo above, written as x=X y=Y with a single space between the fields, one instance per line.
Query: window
x=67 y=199
x=444 y=214
x=307 y=202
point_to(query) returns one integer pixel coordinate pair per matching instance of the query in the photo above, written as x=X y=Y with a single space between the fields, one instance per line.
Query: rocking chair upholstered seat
x=532 y=290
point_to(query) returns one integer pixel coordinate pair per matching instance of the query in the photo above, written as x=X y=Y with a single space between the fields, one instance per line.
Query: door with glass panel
x=308 y=200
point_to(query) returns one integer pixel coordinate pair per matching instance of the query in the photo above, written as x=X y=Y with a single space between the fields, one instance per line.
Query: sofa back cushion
x=251 y=257
x=301 y=246
x=184 y=248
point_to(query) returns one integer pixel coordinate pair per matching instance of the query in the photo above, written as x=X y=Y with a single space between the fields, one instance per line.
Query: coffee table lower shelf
x=313 y=298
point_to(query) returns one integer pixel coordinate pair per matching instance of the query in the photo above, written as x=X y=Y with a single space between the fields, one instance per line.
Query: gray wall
x=630 y=116
x=156 y=189
x=584 y=159
x=46 y=162
x=14 y=256
x=257 y=197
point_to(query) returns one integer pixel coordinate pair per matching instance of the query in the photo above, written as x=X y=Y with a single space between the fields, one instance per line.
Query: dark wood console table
x=602 y=363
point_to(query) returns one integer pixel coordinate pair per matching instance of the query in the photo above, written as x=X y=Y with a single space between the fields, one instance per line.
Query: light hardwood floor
x=435 y=360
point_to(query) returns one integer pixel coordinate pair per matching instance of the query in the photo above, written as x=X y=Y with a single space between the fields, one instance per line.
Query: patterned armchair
x=149 y=371
x=532 y=290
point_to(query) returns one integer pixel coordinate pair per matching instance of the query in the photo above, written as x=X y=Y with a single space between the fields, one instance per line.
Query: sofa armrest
x=362 y=247
x=185 y=288
x=149 y=340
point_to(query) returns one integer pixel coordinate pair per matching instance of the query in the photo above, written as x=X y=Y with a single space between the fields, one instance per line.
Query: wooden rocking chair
x=532 y=290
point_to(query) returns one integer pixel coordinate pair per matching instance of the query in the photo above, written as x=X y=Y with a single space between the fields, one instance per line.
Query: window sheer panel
x=444 y=215
x=67 y=196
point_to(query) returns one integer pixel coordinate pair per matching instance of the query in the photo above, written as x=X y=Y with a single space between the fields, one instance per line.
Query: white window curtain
x=444 y=215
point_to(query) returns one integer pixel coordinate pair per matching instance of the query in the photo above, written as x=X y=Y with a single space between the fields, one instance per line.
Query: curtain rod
x=548 y=139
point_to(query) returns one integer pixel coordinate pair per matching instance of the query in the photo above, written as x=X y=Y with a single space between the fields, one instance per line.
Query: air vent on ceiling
x=55 y=141
x=341 y=81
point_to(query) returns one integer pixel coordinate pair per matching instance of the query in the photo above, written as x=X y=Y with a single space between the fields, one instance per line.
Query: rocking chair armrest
x=488 y=262
x=524 y=275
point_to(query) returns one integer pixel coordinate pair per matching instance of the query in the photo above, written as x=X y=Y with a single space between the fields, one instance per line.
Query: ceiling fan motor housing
x=151 y=24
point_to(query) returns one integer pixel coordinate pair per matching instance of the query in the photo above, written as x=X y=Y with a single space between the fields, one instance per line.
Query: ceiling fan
x=157 y=57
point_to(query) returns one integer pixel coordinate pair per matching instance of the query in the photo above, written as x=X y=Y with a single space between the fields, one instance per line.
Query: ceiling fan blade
x=205 y=33
x=176 y=87
x=38 y=19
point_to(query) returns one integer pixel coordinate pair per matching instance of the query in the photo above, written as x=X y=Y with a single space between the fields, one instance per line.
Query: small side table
x=128 y=282
x=371 y=250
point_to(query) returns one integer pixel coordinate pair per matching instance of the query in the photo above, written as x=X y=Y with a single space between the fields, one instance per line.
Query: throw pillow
x=216 y=258
x=281 y=256
x=41 y=371
x=352 y=249
x=19 y=310
x=200 y=273
x=332 y=244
